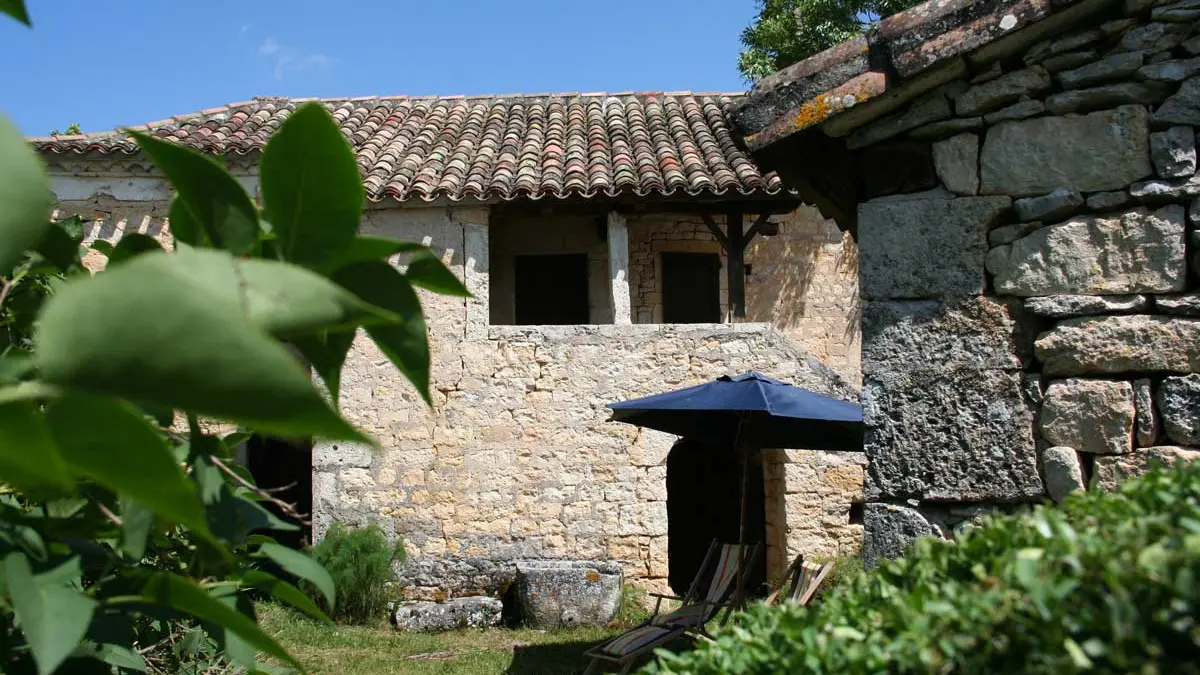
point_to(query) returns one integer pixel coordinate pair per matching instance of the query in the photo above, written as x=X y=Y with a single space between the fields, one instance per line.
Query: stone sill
x=600 y=333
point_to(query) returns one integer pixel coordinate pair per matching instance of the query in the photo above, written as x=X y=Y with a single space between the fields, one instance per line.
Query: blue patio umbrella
x=747 y=413
x=750 y=410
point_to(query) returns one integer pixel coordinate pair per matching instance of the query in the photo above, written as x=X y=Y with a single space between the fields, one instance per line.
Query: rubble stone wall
x=1031 y=302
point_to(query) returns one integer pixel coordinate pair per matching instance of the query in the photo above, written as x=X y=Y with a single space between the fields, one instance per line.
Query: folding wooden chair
x=697 y=609
x=625 y=649
x=802 y=579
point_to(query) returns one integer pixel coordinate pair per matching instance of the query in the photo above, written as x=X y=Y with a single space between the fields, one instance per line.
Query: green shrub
x=1106 y=583
x=360 y=562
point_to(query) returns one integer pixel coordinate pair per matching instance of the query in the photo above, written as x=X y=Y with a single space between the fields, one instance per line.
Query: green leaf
x=121 y=657
x=53 y=615
x=300 y=565
x=366 y=247
x=183 y=225
x=405 y=343
x=285 y=593
x=102 y=246
x=130 y=246
x=59 y=246
x=29 y=458
x=427 y=271
x=312 y=190
x=212 y=198
x=14 y=365
x=24 y=189
x=15 y=9
x=280 y=298
x=326 y=353
x=135 y=529
x=180 y=594
x=109 y=441
x=199 y=353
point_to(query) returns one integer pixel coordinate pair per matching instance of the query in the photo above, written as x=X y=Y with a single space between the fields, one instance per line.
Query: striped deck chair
x=698 y=609
x=804 y=578
x=625 y=649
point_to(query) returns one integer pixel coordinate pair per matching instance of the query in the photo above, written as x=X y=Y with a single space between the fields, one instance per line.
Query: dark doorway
x=551 y=289
x=704 y=503
x=285 y=469
x=691 y=287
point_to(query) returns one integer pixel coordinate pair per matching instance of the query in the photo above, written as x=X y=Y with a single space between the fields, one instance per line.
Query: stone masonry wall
x=1031 y=314
x=803 y=281
x=516 y=459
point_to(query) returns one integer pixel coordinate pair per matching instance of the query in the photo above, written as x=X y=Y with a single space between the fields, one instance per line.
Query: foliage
x=1107 y=584
x=380 y=649
x=127 y=541
x=634 y=607
x=787 y=31
x=360 y=562
x=73 y=129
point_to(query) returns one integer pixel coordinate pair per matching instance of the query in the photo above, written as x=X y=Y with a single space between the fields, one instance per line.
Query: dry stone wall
x=1031 y=312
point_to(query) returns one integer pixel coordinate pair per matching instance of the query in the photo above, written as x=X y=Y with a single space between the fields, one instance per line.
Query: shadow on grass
x=566 y=658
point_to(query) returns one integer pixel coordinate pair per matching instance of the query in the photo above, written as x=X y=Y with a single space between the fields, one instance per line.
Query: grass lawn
x=381 y=650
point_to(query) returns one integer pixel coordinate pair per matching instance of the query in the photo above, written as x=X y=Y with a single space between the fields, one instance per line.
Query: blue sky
x=105 y=64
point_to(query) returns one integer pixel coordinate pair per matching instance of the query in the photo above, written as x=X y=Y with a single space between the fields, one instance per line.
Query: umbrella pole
x=739 y=597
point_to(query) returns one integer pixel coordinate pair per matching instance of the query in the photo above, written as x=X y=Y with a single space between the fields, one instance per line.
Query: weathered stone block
x=1112 y=470
x=1101 y=151
x=1170 y=71
x=1049 y=207
x=1002 y=91
x=1153 y=37
x=1016 y=111
x=1120 y=344
x=342 y=455
x=1092 y=416
x=554 y=593
x=1160 y=191
x=456 y=614
x=1060 y=464
x=1070 y=60
x=929 y=109
x=1106 y=96
x=956 y=161
x=1183 y=304
x=1104 y=201
x=950 y=435
x=1179 y=404
x=1173 y=152
x=889 y=530
x=1115 y=67
x=432 y=578
x=1183 y=107
x=936 y=131
x=1146 y=432
x=926 y=248
x=1067 y=306
x=1007 y=234
x=976 y=332
x=1138 y=251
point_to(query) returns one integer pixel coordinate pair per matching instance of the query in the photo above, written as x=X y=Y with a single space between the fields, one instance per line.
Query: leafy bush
x=128 y=541
x=360 y=562
x=1106 y=583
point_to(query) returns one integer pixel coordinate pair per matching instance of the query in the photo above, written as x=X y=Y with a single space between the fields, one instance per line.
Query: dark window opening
x=856 y=513
x=551 y=289
x=691 y=287
x=285 y=469
x=703 y=503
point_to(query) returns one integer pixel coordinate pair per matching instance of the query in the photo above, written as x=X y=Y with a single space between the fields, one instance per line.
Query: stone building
x=1021 y=179
x=595 y=233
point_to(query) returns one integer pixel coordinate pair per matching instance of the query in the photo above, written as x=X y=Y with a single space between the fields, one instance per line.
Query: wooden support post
x=736 y=264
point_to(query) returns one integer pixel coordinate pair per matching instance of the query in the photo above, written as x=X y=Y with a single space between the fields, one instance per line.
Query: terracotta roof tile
x=502 y=147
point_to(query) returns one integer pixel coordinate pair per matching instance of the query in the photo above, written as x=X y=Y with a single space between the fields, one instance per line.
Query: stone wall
x=803 y=281
x=516 y=459
x=1031 y=301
